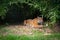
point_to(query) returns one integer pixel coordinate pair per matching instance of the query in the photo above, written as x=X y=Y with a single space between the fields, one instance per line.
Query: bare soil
x=26 y=30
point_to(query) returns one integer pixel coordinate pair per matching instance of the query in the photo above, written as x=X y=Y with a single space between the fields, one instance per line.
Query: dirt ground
x=20 y=30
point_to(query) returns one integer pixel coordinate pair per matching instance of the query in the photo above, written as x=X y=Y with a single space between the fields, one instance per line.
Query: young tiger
x=36 y=22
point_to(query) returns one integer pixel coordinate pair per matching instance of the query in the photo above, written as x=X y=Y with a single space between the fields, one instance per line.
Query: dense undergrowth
x=24 y=9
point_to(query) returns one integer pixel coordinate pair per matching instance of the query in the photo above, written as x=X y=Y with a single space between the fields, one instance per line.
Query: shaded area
x=17 y=13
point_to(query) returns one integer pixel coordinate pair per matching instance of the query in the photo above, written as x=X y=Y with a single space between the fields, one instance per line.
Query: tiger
x=36 y=22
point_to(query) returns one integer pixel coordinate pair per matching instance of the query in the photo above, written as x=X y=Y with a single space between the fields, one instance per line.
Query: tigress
x=36 y=22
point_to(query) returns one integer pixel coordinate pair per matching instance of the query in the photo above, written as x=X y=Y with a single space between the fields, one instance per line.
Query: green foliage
x=49 y=8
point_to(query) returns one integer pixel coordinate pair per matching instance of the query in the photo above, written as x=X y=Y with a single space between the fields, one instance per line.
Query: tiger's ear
x=40 y=16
